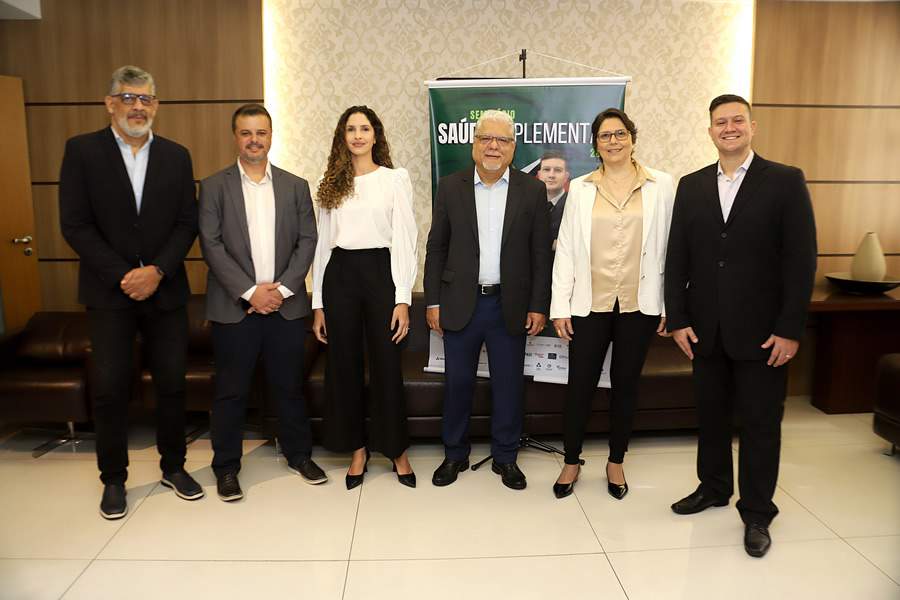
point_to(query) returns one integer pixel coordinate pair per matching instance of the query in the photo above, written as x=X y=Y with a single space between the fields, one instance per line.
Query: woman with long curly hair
x=363 y=274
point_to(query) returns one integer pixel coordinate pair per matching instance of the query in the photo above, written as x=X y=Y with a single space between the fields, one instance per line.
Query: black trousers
x=165 y=338
x=237 y=348
x=631 y=334
x=754 y=392
x=358 y=299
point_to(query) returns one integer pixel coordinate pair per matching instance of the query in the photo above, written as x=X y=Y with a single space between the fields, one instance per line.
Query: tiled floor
x=838 y=534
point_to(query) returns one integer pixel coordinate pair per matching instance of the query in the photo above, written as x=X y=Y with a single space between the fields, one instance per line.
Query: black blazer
x=451 y=260
x=556 y=214
x=99 y=218
x=749 y=277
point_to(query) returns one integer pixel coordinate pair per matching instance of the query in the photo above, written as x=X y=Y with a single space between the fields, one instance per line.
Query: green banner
x=550 y=114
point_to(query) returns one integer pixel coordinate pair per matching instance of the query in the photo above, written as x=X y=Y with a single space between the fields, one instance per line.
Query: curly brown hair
x=337 y=183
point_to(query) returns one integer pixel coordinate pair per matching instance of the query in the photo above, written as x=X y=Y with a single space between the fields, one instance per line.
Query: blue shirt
x=490 y=208
x=135 y=165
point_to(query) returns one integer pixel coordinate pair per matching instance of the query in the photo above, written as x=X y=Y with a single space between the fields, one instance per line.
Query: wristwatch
x=159 y=272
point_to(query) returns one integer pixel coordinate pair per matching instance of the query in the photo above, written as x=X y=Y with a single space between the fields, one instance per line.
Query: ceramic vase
x=868 y=262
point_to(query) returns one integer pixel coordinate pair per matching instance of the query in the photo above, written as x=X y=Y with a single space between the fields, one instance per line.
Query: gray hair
x=130 y=75
x=499 y=116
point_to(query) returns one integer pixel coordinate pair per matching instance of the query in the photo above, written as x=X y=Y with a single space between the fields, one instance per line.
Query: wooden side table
x=852 y=333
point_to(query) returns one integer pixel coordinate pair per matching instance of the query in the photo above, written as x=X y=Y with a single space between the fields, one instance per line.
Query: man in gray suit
x=258 y=234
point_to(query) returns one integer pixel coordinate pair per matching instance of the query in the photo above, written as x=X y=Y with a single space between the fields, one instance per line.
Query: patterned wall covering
x=322 y=56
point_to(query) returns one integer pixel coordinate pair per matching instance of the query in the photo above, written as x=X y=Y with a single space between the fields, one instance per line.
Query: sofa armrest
x=9 y=344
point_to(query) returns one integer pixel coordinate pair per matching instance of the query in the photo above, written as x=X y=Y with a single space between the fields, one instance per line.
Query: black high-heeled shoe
x=409 y=480
x=616 y=490
x=561 y=490
x=353 y=481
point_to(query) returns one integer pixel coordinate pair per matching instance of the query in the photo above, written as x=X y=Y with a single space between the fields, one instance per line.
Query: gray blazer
x=225 y=240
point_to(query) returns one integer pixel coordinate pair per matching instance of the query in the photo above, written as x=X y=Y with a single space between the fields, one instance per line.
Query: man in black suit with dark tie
x=554 y=172
x=487 y=280
x=739 y=275
x=127 y=207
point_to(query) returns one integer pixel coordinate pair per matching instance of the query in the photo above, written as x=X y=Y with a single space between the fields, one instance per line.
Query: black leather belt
x=489 y=290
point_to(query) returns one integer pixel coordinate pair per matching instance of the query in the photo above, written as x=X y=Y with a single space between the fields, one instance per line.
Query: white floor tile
x=574 y=577
x=474 y=517
x=136 y=580
x=50 y=509
x=816 y=570
x=854 y=489
x=804 y=425
x=279 y=518
x=37 y=579
x=643 y=520
x=883 y=551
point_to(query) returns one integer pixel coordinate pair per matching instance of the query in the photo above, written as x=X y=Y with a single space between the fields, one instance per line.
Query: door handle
x=23 y=240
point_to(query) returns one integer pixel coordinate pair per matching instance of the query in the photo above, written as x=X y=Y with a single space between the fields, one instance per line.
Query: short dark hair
x=557 y=154
x=612 y=113
x=249 y=110
x=728 y=99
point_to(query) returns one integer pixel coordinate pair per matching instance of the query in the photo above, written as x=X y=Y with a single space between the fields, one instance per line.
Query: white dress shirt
x=259 y=204
x=135 y=165
x=378 y=214
x=490 y=209
x=728 y=188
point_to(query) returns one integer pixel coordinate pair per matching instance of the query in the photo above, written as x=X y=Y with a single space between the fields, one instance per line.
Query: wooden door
x=19 y=279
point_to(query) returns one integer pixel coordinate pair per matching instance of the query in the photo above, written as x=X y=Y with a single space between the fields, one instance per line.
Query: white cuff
x=248 y=294
x=403 y=296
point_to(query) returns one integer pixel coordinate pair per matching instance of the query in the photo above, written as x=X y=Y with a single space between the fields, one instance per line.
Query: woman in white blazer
x=608 y=287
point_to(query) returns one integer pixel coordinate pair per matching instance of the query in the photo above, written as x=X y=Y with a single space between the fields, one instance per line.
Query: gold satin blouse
x=616 y=237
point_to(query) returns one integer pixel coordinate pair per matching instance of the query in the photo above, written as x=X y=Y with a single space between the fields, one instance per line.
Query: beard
x=135 y=131
x=254 y=160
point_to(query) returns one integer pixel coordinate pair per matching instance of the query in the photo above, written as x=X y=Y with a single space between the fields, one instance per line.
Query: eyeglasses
x=605 y=136
x=485 y=140
x=129 y=99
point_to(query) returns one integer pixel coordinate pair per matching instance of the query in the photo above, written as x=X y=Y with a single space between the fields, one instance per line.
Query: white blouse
x=378 y=214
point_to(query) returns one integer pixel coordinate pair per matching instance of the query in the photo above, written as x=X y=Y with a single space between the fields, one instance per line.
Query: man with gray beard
x=128 y=209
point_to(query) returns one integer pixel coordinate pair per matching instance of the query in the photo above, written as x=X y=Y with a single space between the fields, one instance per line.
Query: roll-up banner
x=550 y=114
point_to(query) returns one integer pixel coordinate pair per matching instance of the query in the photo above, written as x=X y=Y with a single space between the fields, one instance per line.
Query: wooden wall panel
x=831 y=144
x=827 y=53
x=202 y=49
x=205 y=129
x=845 y=212
x=196 y=272
x=59 y=285
x=48 y=237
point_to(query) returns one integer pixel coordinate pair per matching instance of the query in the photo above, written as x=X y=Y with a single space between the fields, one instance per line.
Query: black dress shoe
x=228 y=488
x=561 y=490
x=510 y=474
x=697 y=502
x=353 y=481
x=409 y=480
x=448 y=471
x=184 y=486
x=757 y=540
x=309 y=471
x=616 y=490
x=113 y=504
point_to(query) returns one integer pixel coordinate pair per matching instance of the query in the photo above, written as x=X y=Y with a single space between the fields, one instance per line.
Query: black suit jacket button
x=721 y=263
x=724 y=235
